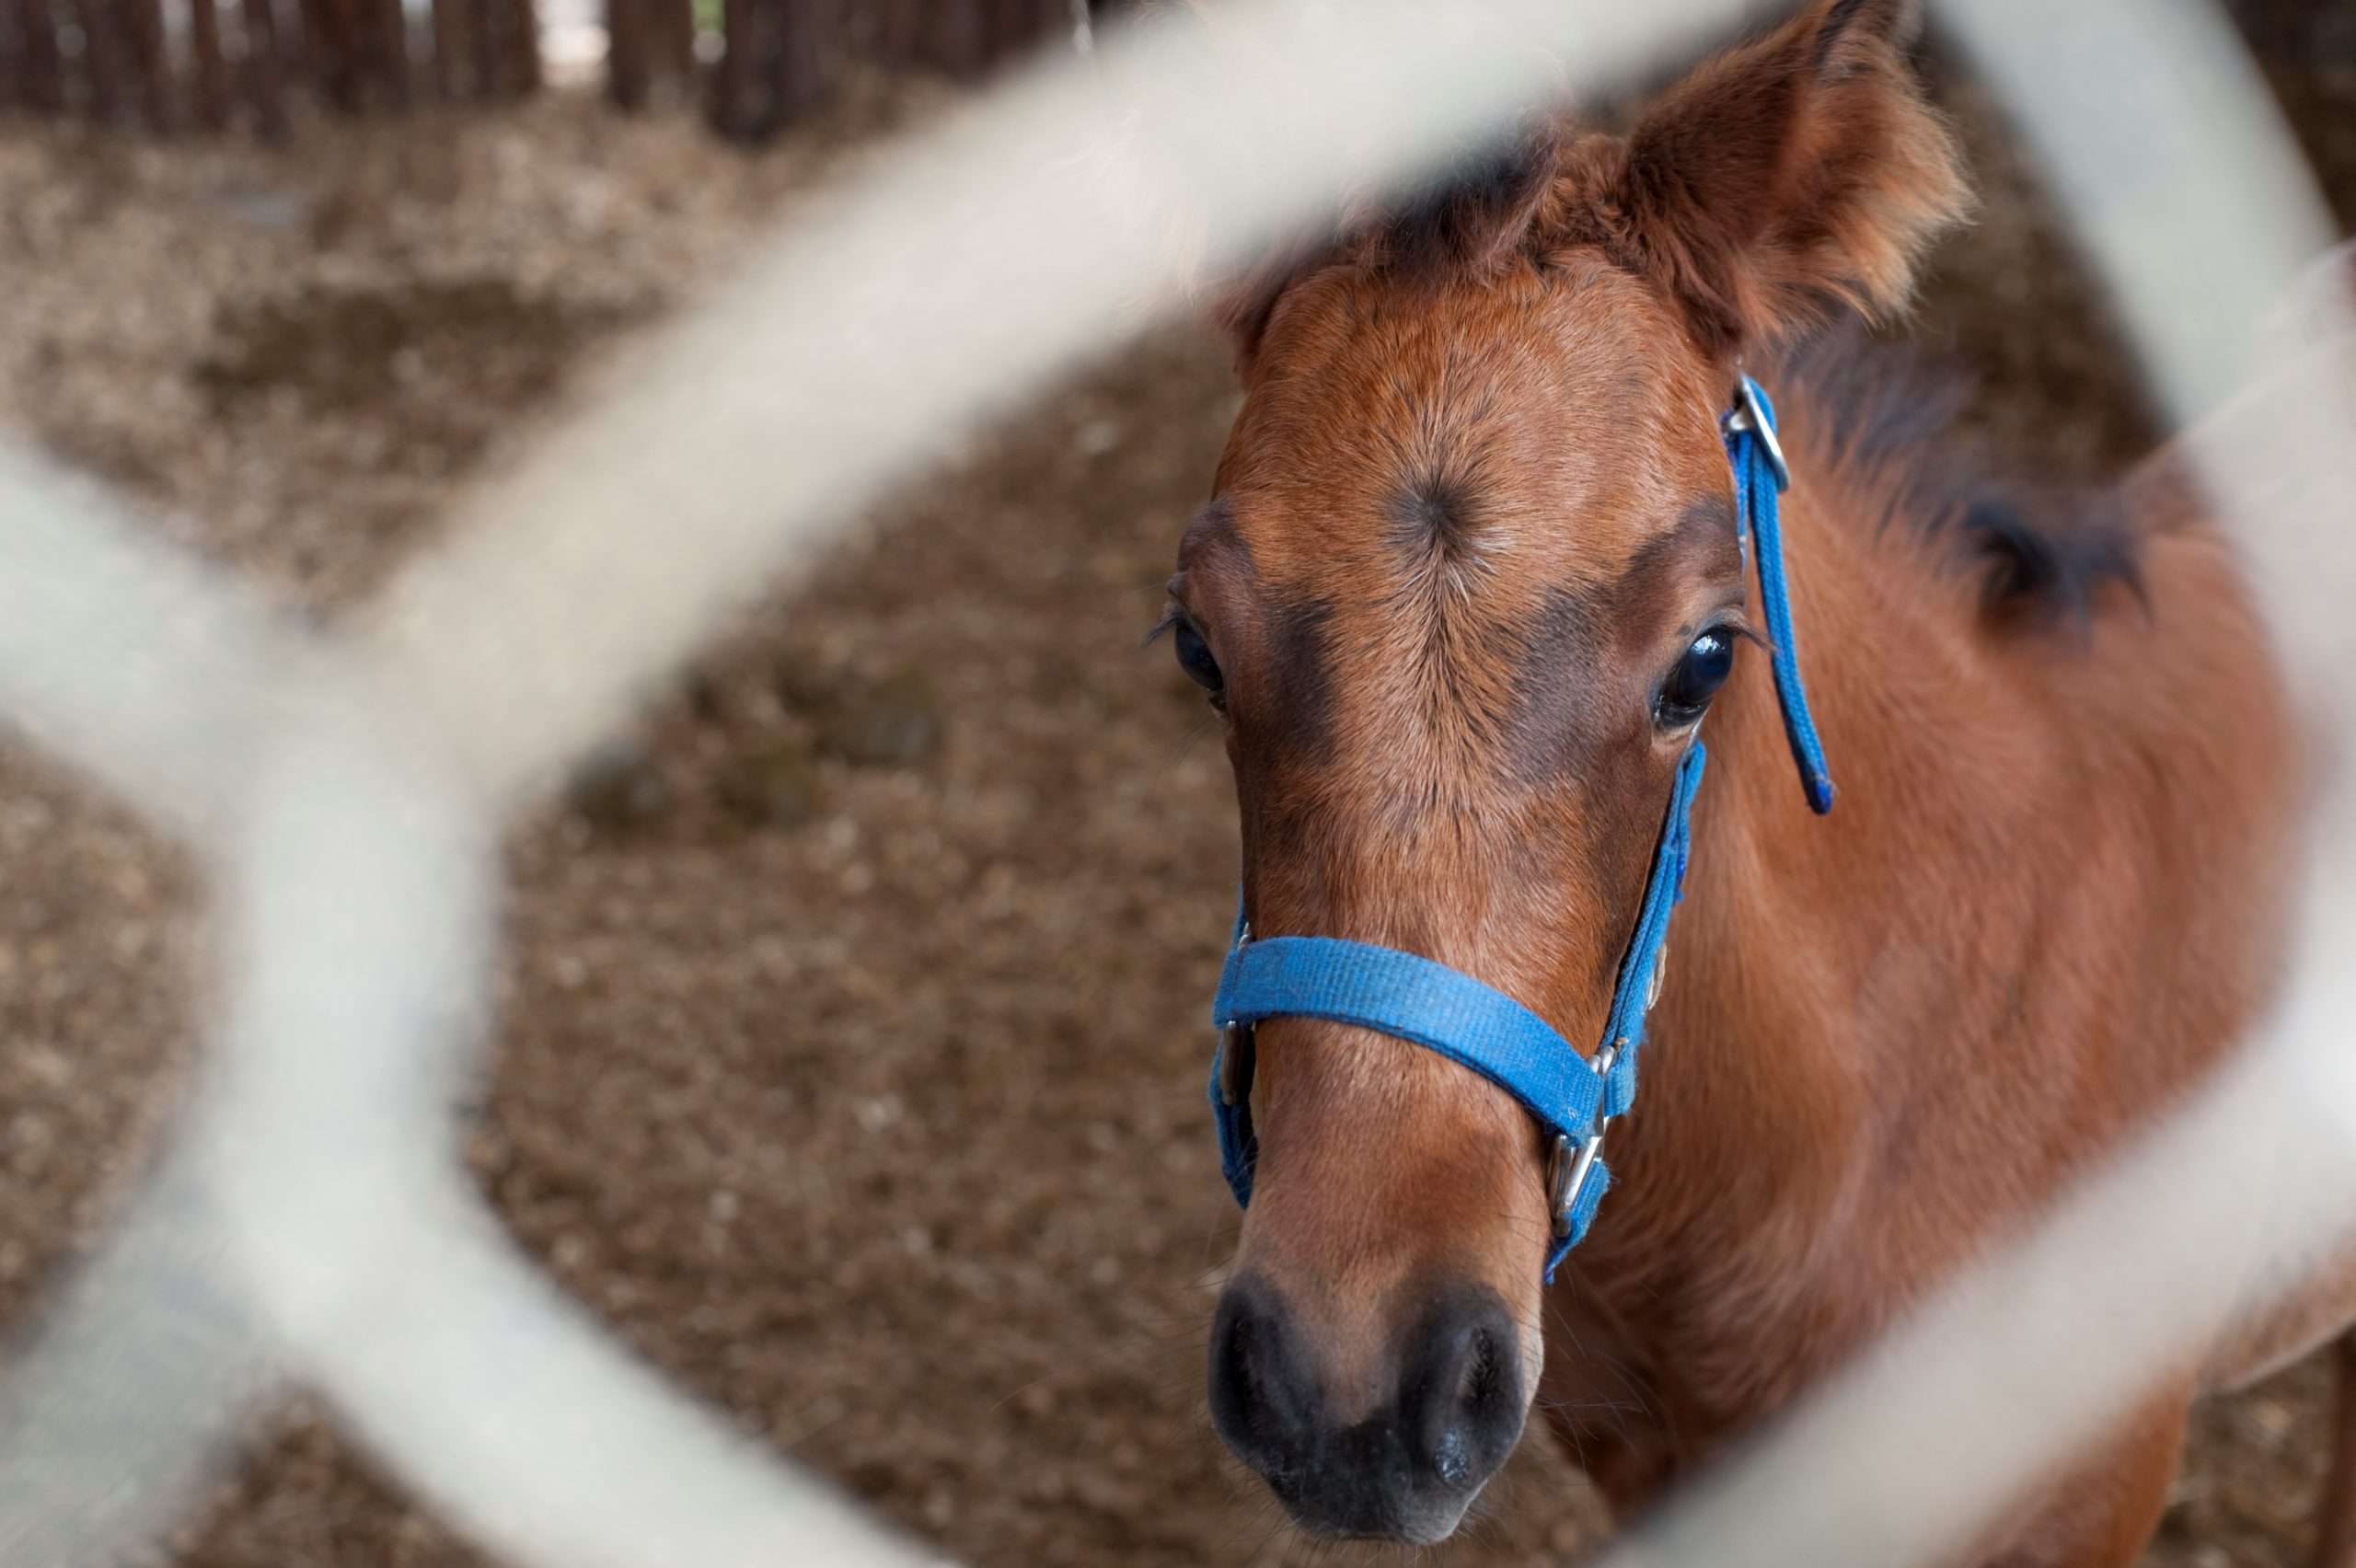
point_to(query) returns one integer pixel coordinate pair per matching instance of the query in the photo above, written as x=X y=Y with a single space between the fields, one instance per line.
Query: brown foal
x=1472 y=527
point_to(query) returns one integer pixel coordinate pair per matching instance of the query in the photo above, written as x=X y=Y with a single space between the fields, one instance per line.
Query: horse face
x=1466 y=544
x=1468 y=579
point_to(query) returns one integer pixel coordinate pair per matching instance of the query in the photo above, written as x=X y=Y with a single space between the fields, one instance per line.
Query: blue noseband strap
x=1478 y=1026
x=1413 y=999
x=1443 y=1009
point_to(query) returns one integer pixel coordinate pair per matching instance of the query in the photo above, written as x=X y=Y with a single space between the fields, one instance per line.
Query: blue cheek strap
x=1478 y=1026
x=1761 y=477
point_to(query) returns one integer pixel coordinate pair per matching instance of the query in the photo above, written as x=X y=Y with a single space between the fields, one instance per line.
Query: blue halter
x=1413 y=998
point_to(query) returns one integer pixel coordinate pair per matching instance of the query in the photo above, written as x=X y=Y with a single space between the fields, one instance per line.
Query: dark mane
x=1478 y=209
x=2041 y=551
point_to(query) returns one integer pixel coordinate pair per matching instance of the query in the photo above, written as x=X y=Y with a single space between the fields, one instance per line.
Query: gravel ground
x=852 y=1053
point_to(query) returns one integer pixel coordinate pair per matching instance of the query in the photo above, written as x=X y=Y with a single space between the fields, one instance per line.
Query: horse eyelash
x=1171 y=619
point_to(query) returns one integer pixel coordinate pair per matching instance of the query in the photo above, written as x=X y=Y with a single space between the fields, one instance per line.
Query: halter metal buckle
x=1566 y=1172
x=1749 y=416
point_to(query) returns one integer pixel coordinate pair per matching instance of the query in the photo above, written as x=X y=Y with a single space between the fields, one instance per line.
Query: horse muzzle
x=1446 y=1407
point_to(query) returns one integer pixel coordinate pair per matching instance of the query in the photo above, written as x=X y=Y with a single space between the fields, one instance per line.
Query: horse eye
x=1195 y=658
x=1696 y=679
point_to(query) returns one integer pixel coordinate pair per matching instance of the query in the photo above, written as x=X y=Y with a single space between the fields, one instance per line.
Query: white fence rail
x=311 y=1221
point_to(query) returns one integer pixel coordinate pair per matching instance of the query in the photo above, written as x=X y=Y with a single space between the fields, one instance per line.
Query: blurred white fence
x=311 y=1221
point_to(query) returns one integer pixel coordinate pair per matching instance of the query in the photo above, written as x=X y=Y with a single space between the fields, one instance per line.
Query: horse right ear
x=1803 y=170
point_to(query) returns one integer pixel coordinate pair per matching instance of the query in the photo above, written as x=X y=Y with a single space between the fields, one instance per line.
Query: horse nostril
x=1491 y=1385
x=1231 y=1377
x=1254 y=1403
x=1462 y=1389
x=1477 y=1392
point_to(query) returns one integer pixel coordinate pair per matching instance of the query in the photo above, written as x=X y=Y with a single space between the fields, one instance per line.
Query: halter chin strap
x=1478 y=1026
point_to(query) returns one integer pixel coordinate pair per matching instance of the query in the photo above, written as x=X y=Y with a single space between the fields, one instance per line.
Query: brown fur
x=1465 y=524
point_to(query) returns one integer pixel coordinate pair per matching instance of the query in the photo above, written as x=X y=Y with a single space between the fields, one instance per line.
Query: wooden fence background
x=176 y=66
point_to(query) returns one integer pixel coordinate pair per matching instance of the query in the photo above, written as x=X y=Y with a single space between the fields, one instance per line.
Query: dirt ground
x=852 y=1046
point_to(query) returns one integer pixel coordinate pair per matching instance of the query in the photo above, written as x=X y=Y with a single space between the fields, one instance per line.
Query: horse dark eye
x=1697 y=678
x=1195 y=658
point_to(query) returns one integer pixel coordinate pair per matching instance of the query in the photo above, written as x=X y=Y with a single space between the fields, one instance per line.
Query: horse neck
x=2049 y=895
x=1762 y=1076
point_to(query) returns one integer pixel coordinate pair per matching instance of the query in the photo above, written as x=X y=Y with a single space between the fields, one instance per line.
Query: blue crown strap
x=1760 y=475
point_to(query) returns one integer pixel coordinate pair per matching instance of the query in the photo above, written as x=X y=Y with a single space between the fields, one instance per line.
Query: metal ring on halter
x=1749 y=416
x=1566 y=1172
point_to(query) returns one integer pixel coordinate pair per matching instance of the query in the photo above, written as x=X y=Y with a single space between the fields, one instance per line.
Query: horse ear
x=1241 y=305
x=1798 y=172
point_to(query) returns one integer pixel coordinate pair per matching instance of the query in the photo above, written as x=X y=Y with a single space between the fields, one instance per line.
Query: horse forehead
x=1536 y=438
x=1476 y=537
x=1407 y=369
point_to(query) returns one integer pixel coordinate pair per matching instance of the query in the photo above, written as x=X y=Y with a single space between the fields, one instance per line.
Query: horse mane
x=2040 y=552
x=1475 y=214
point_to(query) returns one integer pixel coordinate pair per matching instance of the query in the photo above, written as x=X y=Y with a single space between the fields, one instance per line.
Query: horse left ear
x=1799 y=172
